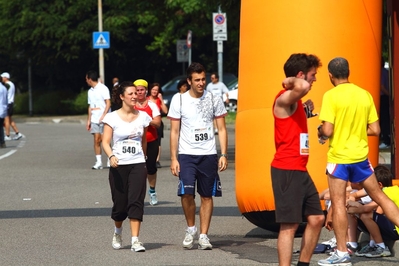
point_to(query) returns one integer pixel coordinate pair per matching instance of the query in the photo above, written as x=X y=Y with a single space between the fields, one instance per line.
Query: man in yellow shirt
x=348 y=116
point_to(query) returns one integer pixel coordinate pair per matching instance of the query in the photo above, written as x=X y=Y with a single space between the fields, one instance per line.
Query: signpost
x=189 y=38
x=220 y=35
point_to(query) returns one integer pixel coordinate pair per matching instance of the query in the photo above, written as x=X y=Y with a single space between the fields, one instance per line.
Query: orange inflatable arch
x=270 y=32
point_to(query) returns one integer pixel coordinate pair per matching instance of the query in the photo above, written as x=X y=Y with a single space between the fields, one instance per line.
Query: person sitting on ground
x=373 y=216
x=351 y=244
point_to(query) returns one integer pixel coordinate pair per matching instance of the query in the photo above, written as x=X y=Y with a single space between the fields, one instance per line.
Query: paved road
x=55 y=210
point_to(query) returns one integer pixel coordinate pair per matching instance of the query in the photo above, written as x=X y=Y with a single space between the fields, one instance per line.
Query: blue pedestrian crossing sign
x=101 y=39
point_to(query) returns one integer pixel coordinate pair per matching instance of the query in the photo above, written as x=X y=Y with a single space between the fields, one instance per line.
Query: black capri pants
x=128 y=185
x=152 y=154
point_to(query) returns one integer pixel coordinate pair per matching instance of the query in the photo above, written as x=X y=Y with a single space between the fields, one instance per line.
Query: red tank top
x=291 y=140
x=151 y=131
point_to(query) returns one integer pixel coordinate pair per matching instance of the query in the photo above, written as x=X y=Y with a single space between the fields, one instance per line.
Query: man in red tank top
x=295 y=194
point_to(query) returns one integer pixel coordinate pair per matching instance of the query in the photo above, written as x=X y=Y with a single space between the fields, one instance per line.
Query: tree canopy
x=56 y=35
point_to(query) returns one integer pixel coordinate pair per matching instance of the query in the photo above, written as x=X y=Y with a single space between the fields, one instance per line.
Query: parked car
x=170 y=88
x=233 y=96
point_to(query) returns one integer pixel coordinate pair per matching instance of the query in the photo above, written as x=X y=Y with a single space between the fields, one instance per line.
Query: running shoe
x=7 y=138
x=17 y=136
x=204 y=244
x=334 y=259
x=378 y=251
x=363 y=251
x=153 y=198
x=188 y=241
x=137 y=246
x=97 y=166
x=117 y=241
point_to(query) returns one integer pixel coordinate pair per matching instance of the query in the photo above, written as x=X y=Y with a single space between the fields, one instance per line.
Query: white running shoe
x=117 y=241
x=138 y=246
x=204 y=244
x=7 y=138
x=153 y=198
x=17 y=136
x=97 y=166
x=188 y=241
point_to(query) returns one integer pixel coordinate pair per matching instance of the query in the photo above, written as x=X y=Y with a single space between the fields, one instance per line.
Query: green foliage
x=230 y=118
x=52 y=103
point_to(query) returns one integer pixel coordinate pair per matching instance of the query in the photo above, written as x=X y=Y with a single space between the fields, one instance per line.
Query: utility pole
x=101 y=50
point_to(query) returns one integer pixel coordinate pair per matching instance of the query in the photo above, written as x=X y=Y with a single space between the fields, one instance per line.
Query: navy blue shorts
x=355 y=172
x=387 y=228
x=200 y=169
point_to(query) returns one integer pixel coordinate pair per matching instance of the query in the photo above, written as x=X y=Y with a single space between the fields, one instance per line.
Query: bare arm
x=356 y=207
x=164 y=108
x=88 y=123
x=106 y=109
x=106 y=142
x=221 y=124
x=296 y=89
x=373 y=129
x=156 y=121
x=174 y=140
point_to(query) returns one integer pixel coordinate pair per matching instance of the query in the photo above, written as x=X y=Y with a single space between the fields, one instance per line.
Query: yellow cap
x=141 y=82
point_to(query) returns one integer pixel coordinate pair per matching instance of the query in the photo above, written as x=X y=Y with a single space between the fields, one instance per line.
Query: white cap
x=5 y=75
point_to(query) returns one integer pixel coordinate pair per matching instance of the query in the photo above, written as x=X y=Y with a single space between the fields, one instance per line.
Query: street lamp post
x=101 y=50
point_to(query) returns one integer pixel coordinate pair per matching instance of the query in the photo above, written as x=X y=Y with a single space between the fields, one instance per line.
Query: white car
x=233 y=97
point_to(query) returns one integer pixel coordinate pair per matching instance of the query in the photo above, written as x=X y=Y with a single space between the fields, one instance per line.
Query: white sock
x=381 y=244
x=341 y=253
x=135 y=238
x=98 y=158
x=192 y=228
x=118 y=230
x=203 y=236
x=353 y=244
x=372 y=243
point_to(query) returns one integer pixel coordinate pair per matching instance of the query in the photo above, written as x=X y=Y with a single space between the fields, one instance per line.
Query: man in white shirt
x=10 y=108
x=99 y=105
x=193 y=153
x=217 y=88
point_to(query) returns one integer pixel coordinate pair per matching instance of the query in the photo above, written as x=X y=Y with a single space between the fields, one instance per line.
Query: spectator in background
x=155 y=96
x=143 y=104
x=217 y=88
x=384 y=108
x=3 y=113
x=182 y=86
x=99 y=105
x=10 y=108
x=115 y=81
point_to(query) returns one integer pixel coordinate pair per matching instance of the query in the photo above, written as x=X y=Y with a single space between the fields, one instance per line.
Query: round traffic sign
x=219 y=19
x=189 y=36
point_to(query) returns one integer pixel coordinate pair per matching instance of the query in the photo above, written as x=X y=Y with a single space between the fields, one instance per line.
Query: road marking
x=8 y=154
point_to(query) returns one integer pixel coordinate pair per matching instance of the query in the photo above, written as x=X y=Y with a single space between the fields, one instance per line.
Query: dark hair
x=339 y=68
x=93 y=75
x=195 y=68
x=120 y=90
x=155 y=84
x=300 y=62
x=383 y=175
x=216 y=75
x=181 y=83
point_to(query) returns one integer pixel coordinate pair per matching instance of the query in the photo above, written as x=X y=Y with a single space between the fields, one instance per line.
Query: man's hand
x=308 y=106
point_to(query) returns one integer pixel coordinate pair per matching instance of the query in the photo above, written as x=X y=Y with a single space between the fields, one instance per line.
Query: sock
x=98 y=158
x=381 y=244
x=353 y=244
x=16 y=133
x=192 y=228
x=300 y=263
x=134 y=239
x=342 y=253
x=152 y=189
x=118 y=230
x=202 y=236
x=372 y=243
x=8 y=135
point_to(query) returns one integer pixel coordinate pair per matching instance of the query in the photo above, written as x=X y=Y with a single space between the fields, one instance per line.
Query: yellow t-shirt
x=350 y=109
x=393 y=193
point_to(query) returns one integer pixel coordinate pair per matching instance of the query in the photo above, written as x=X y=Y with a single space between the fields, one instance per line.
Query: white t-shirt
x=3 y=101
x=96 y=98
x=127 y=137
x=218 y=89
x=11 y=92
x=196 y=114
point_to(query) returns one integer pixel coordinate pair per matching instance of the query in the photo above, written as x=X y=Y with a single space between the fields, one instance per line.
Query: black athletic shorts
x=295 y=196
